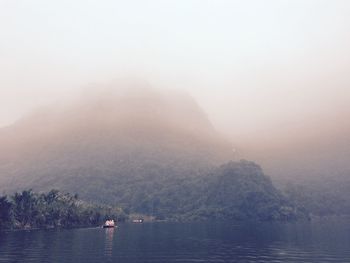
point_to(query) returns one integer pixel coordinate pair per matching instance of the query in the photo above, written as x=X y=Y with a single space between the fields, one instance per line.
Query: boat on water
x=138 y=221
x=109 y=224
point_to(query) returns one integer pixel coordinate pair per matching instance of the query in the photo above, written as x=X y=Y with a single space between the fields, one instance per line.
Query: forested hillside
x=325 y=196
x=146 y=151
x=130 y=134
x=233 y=191
x=236 y=190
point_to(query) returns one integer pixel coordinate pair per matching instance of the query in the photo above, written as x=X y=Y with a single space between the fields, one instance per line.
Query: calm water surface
x=320 y=241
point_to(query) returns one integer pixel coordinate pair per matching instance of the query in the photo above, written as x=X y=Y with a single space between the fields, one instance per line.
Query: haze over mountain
x=146 y=150
x=271 y=79
x=128 y=128
x=272 y=75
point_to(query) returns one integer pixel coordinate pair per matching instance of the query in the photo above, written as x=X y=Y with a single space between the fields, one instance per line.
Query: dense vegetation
x=236 y=190
x=27 y=209
x=321 y=196
x=147 y=152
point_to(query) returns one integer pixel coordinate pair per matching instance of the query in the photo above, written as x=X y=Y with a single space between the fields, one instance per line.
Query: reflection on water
x=109 y=232
x=323 y=241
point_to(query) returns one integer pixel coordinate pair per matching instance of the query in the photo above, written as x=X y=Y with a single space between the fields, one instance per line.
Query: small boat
x=109 y=224
x=138 y=221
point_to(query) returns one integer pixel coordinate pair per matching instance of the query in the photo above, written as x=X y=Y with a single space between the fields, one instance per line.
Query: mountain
x=149 y=151
x=232 y=191
x=110 y=131
x=320 y=196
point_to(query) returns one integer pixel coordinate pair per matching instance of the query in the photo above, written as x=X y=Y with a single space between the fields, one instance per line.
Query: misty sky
x=261 y=69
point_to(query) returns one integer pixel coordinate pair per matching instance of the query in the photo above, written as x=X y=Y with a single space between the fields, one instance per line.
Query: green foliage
x=233 y=191
x=321 y=196
x=5 y=212
x=236 y=190
x=27 y=209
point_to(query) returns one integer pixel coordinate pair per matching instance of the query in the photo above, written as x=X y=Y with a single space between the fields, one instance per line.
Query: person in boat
x=109 y=223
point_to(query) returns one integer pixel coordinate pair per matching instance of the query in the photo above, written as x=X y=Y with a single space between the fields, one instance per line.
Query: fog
x=273 y=76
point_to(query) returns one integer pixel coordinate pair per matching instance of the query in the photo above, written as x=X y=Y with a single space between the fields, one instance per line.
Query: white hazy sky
x=255 y=66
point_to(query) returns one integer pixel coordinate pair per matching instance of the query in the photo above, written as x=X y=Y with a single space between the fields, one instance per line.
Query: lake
x=316 y=241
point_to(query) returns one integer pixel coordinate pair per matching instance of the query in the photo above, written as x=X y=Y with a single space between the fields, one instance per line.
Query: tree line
x=27 y=210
